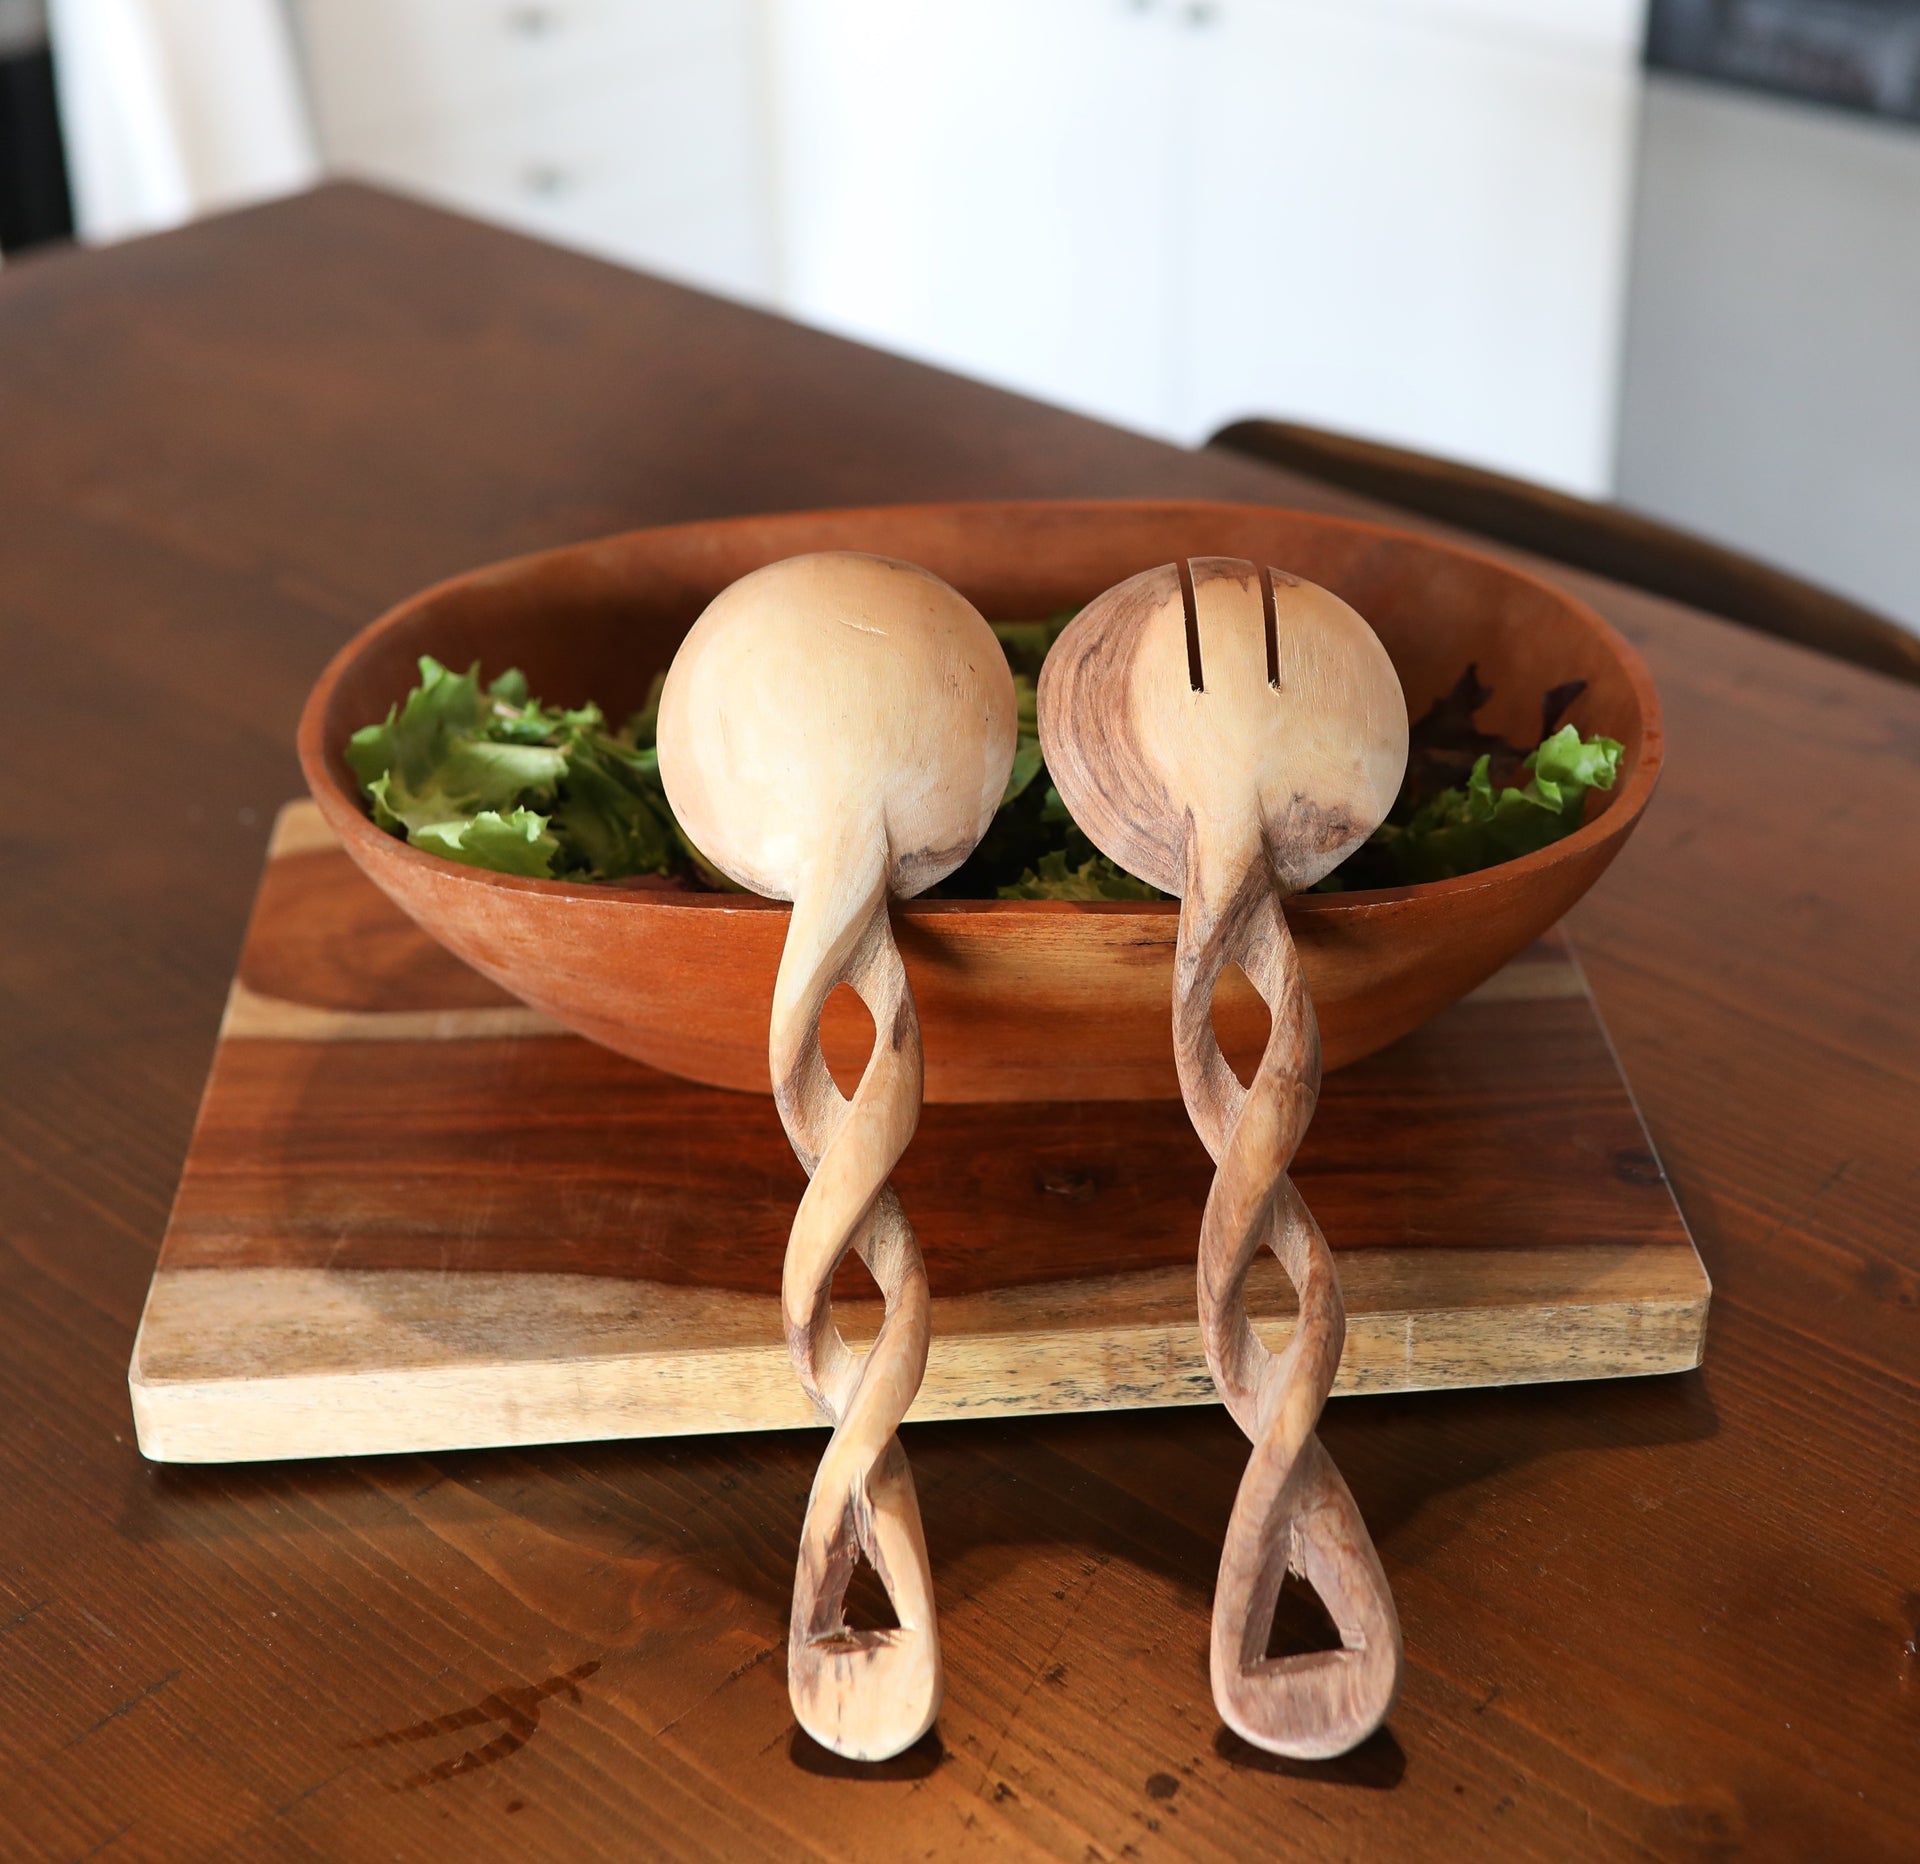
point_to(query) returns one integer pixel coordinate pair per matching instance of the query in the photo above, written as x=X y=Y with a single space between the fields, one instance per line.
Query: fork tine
x=1196 y=676
x=1270 y=617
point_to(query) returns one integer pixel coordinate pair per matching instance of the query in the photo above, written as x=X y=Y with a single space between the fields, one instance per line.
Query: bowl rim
x=343 y=809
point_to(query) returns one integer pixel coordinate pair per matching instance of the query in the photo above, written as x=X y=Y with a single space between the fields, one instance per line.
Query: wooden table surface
x=1675 y=1618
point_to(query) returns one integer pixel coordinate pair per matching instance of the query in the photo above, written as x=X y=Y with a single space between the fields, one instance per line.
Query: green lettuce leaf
x=1461 y=831
x=496 y=779
x=642 y=729
x=510 y=689
x=1567 y=759
x=608 y=822
x=1027 y=643
x=1096 y=878
x=1027 y=762
x=513 y=844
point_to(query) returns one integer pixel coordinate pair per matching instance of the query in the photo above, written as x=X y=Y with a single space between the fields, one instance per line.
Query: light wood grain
x=1233 y=732
x=252 y=1017
x=247 y=1365
x=305 y=1307
x=836 y=729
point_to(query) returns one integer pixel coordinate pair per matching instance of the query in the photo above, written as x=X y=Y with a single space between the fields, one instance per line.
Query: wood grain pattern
x=1232 y=732
x=408 y=1232
x=837 y=730
x=1096 y=1188
x=684 y=981
x=1648 y=1618
x=258 y=1364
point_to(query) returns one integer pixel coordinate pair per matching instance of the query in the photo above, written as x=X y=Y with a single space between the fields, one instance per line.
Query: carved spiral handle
x=1293 y=1510
x=864 y=1694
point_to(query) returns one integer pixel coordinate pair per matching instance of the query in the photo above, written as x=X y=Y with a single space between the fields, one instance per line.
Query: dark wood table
x=1677 y=1618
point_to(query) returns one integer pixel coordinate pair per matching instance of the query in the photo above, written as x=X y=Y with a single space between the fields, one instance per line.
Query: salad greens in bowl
x=485 y=752
x=488 y=776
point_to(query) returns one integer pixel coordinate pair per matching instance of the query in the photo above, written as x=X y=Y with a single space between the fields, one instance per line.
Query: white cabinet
x=985 y=184
x=1404 y=218
x=630 y=128
x=1409 y=221
x=1401 y=217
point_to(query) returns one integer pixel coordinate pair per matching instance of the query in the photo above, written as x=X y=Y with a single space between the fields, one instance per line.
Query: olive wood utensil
x=836 y=728
x=1229 y=733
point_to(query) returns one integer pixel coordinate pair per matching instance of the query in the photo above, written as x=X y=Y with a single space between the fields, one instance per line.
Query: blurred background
x=1663 y=252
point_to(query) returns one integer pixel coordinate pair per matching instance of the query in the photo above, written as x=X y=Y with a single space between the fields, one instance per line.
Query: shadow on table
x=915 y=1764
x=1379 y=1762
x=1153 y=1488
x=657 y=1548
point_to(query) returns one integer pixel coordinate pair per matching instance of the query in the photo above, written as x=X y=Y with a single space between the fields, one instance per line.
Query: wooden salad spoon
x=1229 y=733
x=835 y=729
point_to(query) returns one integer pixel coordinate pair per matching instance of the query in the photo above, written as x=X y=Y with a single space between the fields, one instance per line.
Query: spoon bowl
x=870 y=676
x=836 y=728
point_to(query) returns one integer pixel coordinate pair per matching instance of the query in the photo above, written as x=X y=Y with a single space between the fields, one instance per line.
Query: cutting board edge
x=259 y=1411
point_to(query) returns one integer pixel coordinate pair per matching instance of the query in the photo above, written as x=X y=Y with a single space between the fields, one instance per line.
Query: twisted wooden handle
x=1293 y=1511
x=864 y=1694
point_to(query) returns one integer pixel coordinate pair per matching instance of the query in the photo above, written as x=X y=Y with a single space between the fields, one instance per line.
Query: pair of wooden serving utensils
x=838 y=729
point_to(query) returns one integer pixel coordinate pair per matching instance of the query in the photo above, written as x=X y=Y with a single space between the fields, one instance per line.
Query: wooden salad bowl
x=1019 y=1000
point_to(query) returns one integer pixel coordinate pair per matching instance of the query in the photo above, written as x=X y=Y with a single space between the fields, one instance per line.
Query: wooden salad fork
x=835 y=729
x=1229 y=733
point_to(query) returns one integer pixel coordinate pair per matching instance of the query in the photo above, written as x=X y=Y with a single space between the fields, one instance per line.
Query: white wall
x=1412 y=222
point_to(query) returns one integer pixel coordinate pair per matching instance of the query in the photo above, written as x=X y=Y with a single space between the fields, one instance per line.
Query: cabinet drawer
x=667 y=173
x=376 y=67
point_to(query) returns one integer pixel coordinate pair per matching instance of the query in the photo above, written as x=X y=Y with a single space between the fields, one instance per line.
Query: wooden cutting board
x=418 y=1215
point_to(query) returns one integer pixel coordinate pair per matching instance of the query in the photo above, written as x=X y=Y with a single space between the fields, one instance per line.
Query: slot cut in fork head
x=1219 y=703
x=1190 y=603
